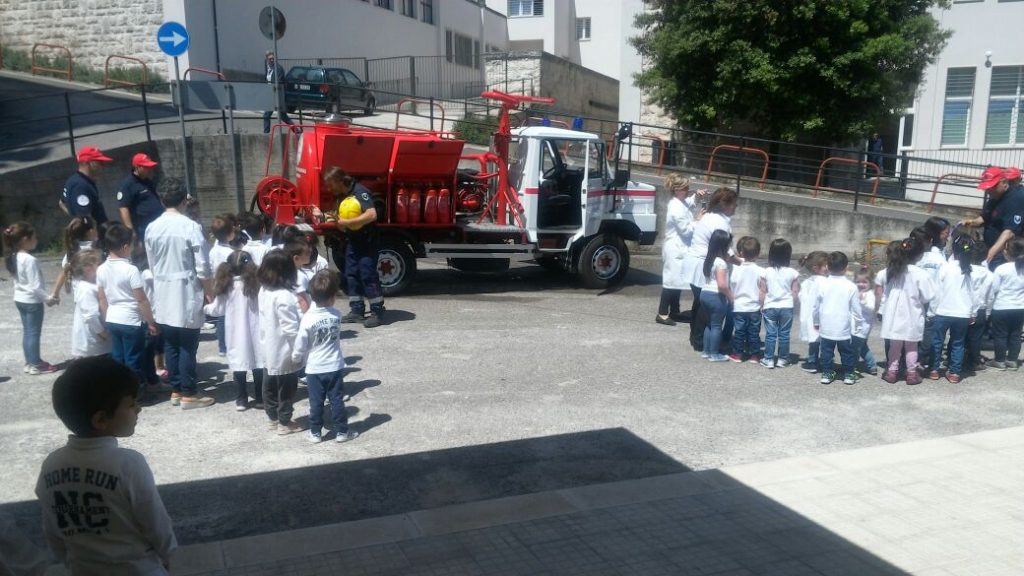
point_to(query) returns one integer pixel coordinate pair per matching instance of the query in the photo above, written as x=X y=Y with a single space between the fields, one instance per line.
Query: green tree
x=809 y=70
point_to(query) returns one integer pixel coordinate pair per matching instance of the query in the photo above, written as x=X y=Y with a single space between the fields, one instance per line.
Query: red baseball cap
x=1012 y=173
x=991 y=176
x=143 y=161
x=92 y=154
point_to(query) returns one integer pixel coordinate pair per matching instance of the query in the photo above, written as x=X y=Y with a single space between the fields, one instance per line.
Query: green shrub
x=21 y=61
x=476 y=128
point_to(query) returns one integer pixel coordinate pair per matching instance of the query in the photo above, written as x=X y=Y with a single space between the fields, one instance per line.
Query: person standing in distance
x=361 y=250
x=1002 y=218
x=80 y=196
x=177 y=255
x=137 y=200
x=275 y=76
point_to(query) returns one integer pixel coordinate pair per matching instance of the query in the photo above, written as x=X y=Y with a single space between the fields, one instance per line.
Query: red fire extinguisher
x=402 y=206
x=430 y=207
x=444 y=206
x=414 y=207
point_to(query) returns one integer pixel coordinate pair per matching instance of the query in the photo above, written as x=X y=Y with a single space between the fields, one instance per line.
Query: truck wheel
x=479 y=265
x=396 y=266
x=604 y=261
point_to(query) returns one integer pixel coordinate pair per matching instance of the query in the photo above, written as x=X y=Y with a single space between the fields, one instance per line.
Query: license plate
x=303 y=86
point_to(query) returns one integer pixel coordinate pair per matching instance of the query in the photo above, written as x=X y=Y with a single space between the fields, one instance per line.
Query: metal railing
x=67 y=71
x=107 y=80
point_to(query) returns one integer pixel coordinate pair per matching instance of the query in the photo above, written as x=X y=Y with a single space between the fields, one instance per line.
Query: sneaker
x=1012 y=366
x=704 y=356
x=933 y=375
x=175 y=399
x=872 y=372
x=313 y=437
x=953 y=378
x=192 y=402
x=241 y=406
x=782 y=363
x=808 y=367
x=666 y=320
x=372 y=321
x=849 y=379
x=890 y=377
x=718 y=358
x=767 y=363
x=735 y=358
x=995 y=364
x=827 y=377
x=258 y=406
x=272 y=425
x=352 y=318
x=914 y=378
x=42 y=368
x=289 y=428
x=342 y=438
x=755 y=359
x=26 y=368
x=978 y=366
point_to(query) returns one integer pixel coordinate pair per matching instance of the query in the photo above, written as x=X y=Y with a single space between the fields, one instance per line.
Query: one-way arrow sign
x=172 y=39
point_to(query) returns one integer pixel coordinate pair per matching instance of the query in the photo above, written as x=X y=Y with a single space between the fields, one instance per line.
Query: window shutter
x=538 y=7
x=957 y=110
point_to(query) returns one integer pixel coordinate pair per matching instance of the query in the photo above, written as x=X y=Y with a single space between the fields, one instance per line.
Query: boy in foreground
x=101 y=511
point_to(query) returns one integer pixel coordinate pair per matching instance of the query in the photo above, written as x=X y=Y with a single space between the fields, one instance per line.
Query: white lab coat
x=693 y=263
x=241 y=327
x=904 y=302
x=178 y=258
x=808 y=296
x=279 y=325
x=679 y=224
x=86 y=323
x=837 y=311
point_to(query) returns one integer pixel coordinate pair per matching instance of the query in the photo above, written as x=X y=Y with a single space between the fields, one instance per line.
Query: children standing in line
x=836 y=314
x=745 y=282
x=1008 y=307
x=278 y=327
x=236 y=289
x=716 y=294
x=981 y=285
x=29 y=292
x=252 y=228
x=906 y=291
x=779 y=289
x=89 y=336
x=299 y=252
x=866 y=297
x=815 y=265
x=222 y=228
x=954 y=308
x=318 y=346
x=102 y=513
x=123 y=302
x=79 y=234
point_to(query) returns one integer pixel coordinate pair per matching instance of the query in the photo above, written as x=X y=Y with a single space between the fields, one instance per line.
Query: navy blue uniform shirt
x=82 y=198
x=139 y=197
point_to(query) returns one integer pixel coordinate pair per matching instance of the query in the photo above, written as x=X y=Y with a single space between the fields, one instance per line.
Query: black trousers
x=243 y=389
x=279 y=395
x=669 y=304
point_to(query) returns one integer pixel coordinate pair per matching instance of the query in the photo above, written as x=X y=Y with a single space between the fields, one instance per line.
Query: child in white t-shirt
x=837 y=314
x=954 y=307
x=866 y=298
x=716 y=294
x=278 y=327
x=745 y=281
x=89 y=336
x=29 y=292
x=779 y=290
x=981 y=284
x=815 y=265
x=1008 y=307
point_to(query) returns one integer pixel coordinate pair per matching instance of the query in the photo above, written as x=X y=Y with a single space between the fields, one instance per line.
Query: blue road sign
x=172 y=39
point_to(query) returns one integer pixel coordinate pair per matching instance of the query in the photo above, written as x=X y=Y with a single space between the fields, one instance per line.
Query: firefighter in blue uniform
x=80 y=196
x=361 y=250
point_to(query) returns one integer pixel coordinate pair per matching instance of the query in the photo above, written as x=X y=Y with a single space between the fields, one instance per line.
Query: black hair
x=239 y=263
x=323 y=286
x=140 y=259
x=1015 y=253
x=222 y=226
x=935 y=226
x=117 y=236
x=904 y=255
x=964 y=248
x=277 y=271
x=718 y=247
x=924 y=239
x=91 y=385
x=814 y=260
x=252 y=225
x=13 y=236
x=837 y=262
x=172 y=192
x=748 y=247
x=296 y=248
x=780 y=253
x=285 y=233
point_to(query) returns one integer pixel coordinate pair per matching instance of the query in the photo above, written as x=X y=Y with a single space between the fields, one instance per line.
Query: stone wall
x=91 y=29
x=577 y=90
x=514 y=72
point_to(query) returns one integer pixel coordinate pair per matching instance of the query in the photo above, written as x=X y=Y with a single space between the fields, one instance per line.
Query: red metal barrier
x=67 y=72
x=219 y=76
x=742 y=150
x=950 y=176
x=662 y=150
x=839 y=160
x=414 y=101
x=107 y=80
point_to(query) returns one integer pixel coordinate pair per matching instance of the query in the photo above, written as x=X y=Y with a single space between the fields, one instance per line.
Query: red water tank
x=402 y=206
x=414 y=207
x=430 y=207
x=444 y=206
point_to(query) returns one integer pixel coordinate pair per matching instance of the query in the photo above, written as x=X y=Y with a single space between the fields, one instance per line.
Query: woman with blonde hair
x=681 y=216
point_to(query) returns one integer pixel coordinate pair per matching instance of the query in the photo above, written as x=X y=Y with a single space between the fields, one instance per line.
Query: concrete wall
x=577 y=89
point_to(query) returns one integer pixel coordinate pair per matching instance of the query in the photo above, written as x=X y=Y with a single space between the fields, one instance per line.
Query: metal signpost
x=173 y=41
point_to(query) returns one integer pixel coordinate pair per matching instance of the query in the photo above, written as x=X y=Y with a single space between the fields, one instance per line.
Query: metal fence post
x=861 y=157
x=743 y=165
x=412 y=75
x=71 y=125
x=904 y=170
x=145 y=114
x=432 y=114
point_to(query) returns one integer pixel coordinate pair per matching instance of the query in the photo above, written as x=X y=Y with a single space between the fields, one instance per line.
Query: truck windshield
x=573 y=154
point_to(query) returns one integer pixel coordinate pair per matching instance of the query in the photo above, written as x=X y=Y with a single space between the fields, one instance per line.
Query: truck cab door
x=594 y=200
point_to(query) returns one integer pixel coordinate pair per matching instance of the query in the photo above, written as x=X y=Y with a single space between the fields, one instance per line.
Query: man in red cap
x=80 y=196
x=136 y=196
x=1002 y=218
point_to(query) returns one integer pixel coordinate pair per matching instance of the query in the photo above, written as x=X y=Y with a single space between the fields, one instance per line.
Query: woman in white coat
x=721 y=207
x=680 y=218
x=236 y=292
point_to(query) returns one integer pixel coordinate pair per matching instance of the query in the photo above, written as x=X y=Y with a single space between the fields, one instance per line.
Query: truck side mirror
x=620 y=179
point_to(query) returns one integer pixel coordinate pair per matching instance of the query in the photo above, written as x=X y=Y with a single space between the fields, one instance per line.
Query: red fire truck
x=540 y=193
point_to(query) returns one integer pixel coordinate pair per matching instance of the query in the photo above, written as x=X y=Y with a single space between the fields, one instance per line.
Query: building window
x=1004 y=124
x=408 y=8
x=461 y=49
x=427 y=11
x=956 y=114
x=525 y=8
x=583 y=28
x=386 y=4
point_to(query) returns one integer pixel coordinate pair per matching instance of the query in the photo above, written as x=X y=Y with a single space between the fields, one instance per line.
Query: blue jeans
x=717 y=307
x=975 y=334
x=282 y=115
x=778 y=323
x=329 y=385
x=31 y=331
x=180 y=347
x=127 y=345
x=862 y=352
x=362 y=278
x=957 y=328
x=218 y=323
x=1006 y=328
x=826 y=354
x=154 y=344
x=813 y=354
x=746 y=333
